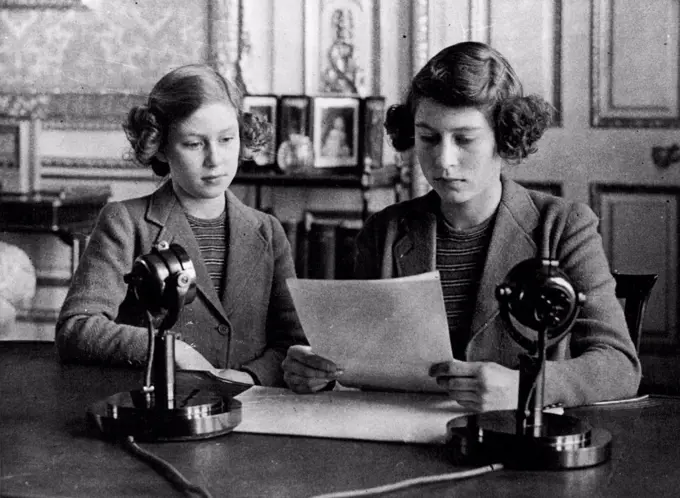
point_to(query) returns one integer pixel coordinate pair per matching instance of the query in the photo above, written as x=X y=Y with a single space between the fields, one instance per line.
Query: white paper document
x=348 y=414
x=385 y=334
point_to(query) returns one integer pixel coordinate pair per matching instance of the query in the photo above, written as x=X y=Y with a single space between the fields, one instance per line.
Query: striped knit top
x=211 y=235
x=460 y=261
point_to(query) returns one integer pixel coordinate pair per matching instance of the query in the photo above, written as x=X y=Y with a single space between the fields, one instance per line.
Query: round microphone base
x=197 y=414
x=563 y=442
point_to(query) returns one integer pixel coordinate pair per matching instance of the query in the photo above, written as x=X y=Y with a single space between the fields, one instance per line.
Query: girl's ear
x=160 y=155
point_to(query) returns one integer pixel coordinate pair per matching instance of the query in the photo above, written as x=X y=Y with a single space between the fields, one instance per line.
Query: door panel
x=639 y=226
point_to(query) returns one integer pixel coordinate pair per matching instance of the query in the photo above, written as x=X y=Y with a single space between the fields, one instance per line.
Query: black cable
x=164 y=468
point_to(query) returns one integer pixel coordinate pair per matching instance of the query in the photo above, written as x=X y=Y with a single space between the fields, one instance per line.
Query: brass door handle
x=663 y=157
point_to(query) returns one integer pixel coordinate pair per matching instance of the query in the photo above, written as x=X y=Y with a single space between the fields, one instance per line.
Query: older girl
x=468 y=119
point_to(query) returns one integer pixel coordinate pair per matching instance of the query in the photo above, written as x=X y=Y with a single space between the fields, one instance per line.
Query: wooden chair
x=635 y=290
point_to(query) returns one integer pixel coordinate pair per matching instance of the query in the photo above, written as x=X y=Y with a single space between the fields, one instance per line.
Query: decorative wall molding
x=80 y=163
x=534 y=48
x=42 y=4
x=479 y=18
x=641 y=91
x=94 y=168
x=87 y=111
x=421 y=54
x=66 y=109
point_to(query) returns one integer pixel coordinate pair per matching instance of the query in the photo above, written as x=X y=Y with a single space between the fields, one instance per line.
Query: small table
x=69 y=214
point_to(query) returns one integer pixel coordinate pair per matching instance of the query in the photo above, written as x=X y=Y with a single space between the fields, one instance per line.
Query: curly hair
x=174 y=98
x=472 y=74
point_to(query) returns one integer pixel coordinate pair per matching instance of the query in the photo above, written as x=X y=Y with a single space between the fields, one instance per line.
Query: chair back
x=635 y=290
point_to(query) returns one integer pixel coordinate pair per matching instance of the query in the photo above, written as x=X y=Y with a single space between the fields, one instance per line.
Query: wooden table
x=46 y=450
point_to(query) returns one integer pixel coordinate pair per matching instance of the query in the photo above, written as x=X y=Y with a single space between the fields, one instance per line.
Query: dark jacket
x=251 y=328
x=597 y=360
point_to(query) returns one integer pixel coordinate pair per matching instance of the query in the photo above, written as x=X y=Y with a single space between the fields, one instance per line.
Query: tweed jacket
x=597 y=360
x=250 y=328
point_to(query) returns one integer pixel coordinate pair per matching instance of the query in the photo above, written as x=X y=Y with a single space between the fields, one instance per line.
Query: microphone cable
x=409 y=483
x=164 y=468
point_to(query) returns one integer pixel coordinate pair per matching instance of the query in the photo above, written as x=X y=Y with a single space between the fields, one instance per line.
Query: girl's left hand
x=481 y=386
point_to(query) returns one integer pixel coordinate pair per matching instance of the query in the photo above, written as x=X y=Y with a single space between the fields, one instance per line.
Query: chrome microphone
x=539 y=305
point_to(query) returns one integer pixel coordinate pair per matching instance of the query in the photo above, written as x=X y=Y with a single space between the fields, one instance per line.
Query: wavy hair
x=472 y=74
x=174 y=98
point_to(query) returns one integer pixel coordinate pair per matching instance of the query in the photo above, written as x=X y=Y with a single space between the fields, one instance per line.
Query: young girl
x=191 y=132
x=467 y=118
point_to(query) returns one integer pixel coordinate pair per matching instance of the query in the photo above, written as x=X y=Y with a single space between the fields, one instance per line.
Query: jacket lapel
x=246 y=249
x=166 y=211
x=415 y=243
x=511 y=242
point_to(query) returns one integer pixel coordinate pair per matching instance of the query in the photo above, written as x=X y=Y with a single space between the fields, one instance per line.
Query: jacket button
x=223 y=329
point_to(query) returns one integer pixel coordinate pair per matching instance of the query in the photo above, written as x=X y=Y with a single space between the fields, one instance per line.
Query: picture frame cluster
x=344 y=132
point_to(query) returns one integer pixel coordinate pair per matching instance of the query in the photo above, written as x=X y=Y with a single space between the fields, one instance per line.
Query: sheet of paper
x=348 y=414
x=385 y=334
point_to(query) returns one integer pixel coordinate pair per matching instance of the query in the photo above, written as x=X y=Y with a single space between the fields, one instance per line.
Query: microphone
x=163 y=282
x=539 y=305
x=540 y=296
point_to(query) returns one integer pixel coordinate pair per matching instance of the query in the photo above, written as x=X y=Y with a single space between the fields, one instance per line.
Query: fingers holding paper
x=306 y=372
x=481 y=386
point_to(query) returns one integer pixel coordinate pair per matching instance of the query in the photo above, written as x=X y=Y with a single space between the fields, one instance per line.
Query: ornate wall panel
x=93 y=64
x=639 y=227
x=635 y=63
x=529 y=34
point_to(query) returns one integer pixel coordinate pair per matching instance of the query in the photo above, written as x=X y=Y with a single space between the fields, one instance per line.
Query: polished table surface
x=47 y=450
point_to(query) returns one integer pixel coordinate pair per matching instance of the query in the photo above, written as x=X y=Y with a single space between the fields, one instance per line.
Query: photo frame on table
x=266 y=106
x=335 y=132
x=372 y=132
x=294 y=116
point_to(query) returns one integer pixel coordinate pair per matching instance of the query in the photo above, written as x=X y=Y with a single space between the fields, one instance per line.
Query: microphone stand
x=163 y=282
x=540 y=296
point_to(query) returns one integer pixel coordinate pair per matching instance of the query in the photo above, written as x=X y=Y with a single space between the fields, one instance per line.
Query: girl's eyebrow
x=423 y=124
x=230 y=129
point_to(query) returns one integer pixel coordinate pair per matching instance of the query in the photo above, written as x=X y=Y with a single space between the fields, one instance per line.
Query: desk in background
x=69 y=214
x=45 y=449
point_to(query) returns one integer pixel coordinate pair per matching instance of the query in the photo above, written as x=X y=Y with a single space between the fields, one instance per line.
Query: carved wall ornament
x=340 y=48
x=342 y=74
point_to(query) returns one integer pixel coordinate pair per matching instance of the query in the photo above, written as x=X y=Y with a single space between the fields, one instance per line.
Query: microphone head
x=540 y=296
x=157 y=278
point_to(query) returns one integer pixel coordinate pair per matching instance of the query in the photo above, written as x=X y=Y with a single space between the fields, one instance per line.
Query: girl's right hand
x=306 y=372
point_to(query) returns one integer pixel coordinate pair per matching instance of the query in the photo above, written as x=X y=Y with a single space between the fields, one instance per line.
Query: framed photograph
x=335 y=132
x=294 y=116
x=266 y=106
x=372 y=132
